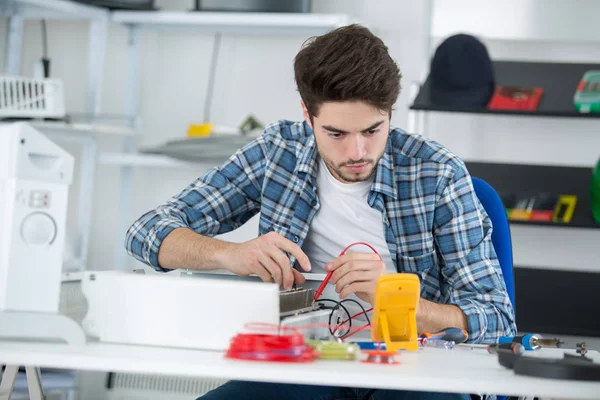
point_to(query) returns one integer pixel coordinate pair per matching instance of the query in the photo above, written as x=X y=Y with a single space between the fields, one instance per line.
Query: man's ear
x=306 y=115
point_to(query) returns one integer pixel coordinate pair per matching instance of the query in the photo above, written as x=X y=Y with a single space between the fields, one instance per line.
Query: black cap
x=461 y=73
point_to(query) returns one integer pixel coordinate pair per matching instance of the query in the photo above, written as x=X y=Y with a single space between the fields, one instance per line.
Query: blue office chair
x=491 y=202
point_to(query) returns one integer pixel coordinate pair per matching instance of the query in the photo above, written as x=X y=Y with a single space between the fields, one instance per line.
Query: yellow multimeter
x=394 y=318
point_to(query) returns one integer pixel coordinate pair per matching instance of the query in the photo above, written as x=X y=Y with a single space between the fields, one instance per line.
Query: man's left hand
x=356 y=273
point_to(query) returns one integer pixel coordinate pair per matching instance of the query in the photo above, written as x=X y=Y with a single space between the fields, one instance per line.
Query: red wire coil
x=271 y=347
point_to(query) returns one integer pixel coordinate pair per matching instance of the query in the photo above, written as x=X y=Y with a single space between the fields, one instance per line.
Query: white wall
x=255 y=76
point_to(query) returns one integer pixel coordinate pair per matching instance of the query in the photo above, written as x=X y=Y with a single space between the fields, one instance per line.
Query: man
x=341 y=176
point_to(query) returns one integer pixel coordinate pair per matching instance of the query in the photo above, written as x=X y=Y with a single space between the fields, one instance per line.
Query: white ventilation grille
x=73 y=303
x=158 y=383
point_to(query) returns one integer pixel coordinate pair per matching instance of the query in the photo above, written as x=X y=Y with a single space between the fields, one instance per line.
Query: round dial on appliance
x=38 y=229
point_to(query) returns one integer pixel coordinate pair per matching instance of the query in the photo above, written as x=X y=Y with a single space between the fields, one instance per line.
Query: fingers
x=262 y=273
x=283 y=264
x=289 y=247
x=356 y=264
x=358 y=287
x=355 y=276
x=298 y=277
x=272 y=268
x=341 y=260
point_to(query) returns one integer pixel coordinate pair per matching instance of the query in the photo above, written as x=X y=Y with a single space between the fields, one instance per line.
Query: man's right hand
x=265 y=257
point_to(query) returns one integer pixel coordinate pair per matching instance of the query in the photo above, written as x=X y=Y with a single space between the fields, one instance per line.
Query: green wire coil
x=333 y=350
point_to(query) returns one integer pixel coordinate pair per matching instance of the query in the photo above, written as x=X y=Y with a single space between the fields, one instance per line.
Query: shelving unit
x=53 y=9
x=183 y=153
x=143 y=160
x=533 y=179
x=231 y=23
x=20 y=10
x=234 y=22
x=79 y=128
x=559 y=81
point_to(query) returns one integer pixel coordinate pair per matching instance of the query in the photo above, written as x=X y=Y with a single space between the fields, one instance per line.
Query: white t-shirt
x=344 y=217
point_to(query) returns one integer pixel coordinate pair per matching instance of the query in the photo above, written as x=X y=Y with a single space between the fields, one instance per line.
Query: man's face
x=351 y=138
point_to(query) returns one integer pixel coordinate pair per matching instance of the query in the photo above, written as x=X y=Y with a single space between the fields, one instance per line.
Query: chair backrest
x=501 y=239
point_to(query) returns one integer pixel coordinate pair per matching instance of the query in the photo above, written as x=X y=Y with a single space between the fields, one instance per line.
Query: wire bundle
x=271 y=347
x=339 y=304
x=336 y=329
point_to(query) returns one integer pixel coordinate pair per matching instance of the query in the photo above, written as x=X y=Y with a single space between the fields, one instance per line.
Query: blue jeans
x=240 y=390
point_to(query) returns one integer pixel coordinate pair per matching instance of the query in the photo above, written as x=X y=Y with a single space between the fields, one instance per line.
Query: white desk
x=459 y=370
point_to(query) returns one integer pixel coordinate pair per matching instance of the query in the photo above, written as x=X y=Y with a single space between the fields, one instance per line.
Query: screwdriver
x=455 y=335
x=516 y=348
x=530 y=341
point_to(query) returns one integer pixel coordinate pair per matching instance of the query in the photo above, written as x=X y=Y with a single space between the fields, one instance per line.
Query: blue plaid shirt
x=434 y=224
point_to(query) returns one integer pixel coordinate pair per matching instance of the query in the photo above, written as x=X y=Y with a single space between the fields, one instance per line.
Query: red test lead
x=328 y=276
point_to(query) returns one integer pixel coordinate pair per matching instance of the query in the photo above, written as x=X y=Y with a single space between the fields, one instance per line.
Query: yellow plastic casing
x=200 y=130
x=568 y=202
x=394 y=318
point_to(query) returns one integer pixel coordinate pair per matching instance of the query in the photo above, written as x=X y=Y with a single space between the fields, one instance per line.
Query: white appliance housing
x=170 y=310
x=35 y=175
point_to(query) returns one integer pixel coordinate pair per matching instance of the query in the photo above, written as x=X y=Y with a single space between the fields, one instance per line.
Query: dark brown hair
x=347 y=64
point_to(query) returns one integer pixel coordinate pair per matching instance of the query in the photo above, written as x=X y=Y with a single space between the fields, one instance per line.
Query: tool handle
x=528 y=341
x=455 y=335
x=516 y=348
x=506 y=339
x=319 y=291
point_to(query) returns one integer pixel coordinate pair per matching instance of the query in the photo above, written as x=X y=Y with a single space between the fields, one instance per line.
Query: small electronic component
x=381 y=357
x=581 y=349
x=334 y=350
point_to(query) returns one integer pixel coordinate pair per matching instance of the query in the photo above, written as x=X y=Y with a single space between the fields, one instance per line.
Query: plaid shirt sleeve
x=470 y=265
x=218 y=202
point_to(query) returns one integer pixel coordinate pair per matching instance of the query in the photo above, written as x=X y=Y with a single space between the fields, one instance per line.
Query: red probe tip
x=322 y=286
